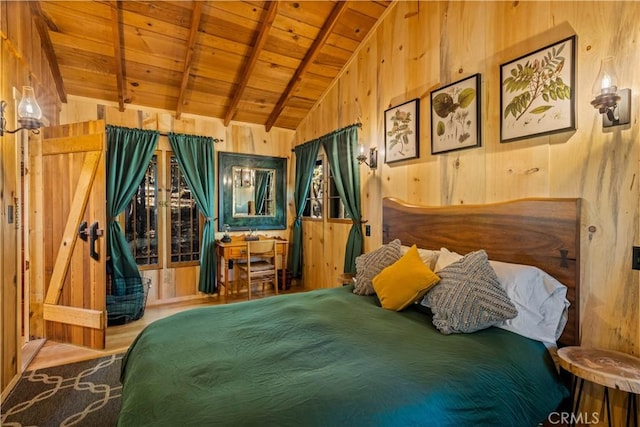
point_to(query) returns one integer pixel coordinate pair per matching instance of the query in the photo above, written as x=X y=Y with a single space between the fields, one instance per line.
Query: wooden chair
x=260 y=266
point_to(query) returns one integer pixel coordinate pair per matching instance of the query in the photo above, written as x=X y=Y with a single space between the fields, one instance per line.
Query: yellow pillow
x=404 y=282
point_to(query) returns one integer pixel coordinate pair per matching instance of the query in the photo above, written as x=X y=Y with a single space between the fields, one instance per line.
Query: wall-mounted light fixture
x=372 y=158
x=29 y=113
x=614 y=104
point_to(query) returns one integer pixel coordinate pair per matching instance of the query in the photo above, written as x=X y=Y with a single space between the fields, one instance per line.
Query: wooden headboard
x=541 y=232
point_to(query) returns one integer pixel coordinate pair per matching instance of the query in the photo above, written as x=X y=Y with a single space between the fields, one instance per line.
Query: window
x=146 y=230
x=318 y=198
x=268 y=205
x=141 y=219
x=313 y=207
x=184 y=222
x=335 y=205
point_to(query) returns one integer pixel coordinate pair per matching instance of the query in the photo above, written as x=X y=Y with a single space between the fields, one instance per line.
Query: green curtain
x=128 y=154
x=306 y=155
x=341 y=148
x=260 y=186
x=195 y=157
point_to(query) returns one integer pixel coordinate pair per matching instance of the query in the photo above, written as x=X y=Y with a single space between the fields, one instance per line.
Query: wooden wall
x=421 y=46
x=175 y=284
x=22 y=62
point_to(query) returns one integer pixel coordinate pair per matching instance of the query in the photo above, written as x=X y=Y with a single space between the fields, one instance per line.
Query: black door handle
x=94 y=233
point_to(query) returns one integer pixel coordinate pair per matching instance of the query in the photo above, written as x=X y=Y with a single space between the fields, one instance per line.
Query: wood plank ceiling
x=264 y=62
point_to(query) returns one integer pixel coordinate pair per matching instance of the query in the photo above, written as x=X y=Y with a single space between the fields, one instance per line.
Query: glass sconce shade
x=29 y=113
x=614 y=104
x=361 y=156
x=28 y=108
x=607 y=80
x=372 y=156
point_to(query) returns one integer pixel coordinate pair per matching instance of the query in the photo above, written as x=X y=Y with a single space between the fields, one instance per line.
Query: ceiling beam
x=261 y=39
x=116 y=26
x=311 y=55
x=47 y=46
x=188 y=59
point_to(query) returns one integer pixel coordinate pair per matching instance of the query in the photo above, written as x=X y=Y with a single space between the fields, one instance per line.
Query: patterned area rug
x=78 y=394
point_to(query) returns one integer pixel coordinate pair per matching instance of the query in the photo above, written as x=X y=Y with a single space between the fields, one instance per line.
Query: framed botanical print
x=402 y=132
x=538 y=92
x=455 y=116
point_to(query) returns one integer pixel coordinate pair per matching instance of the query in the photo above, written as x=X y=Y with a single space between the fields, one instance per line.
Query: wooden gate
x=72 y=195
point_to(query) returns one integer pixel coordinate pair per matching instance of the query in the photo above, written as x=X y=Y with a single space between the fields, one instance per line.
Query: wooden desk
x=611 y=369
x=236 y=249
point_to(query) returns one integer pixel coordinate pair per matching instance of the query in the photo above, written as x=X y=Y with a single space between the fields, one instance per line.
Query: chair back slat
x=261 y=264
x=259 y=247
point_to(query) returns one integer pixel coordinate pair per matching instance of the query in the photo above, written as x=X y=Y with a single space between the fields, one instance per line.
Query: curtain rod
x=330 y=133
x=214 y=139
x=166 y=134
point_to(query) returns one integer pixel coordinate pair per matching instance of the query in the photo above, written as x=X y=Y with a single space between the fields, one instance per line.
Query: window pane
x=336 y=208
x=141 y=218
x=184 y=221
x=313 y=207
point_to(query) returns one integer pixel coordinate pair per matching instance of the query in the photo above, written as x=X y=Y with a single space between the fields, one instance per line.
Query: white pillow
x=540 y=298
x=427 y=256
x=445 y=258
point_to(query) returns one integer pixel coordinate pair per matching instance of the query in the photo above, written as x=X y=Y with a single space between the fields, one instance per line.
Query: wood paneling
x=171 y=284
x=22 y=62
x=421 y=46
x=138 y=44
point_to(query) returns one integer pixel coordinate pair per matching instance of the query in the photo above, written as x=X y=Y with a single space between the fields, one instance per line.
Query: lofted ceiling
x=263 y=62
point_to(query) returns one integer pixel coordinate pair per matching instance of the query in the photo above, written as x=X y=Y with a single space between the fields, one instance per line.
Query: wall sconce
x=373 y=157
x=613 y=104
x=29 y=113
x=247 y=178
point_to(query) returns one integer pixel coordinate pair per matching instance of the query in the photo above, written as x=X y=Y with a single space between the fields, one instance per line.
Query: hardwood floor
x=119 y=338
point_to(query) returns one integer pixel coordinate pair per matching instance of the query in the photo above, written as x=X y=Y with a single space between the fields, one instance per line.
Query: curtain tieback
x=359 y=222
x=210 y=219
x=112 y=218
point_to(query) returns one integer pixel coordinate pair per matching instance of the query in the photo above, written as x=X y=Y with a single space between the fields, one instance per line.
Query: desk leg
x=227 y=282
x=284 y=267
x=219 y=275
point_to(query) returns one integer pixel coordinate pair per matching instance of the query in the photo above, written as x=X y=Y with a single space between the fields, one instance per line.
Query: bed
x=331 y=357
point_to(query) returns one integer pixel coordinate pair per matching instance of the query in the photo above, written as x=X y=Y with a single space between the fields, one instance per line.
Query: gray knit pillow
x=370 y=264
x=469 y=296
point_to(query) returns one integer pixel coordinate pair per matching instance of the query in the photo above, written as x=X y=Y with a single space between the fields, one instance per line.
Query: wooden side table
x=608 y=368
x=345 y=279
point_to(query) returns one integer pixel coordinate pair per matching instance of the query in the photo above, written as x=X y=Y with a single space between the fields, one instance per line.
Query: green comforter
x=331 y=358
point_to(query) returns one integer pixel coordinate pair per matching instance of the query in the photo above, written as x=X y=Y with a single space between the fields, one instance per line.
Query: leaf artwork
x=400 y=131
x=452 y=106
x=533 y=80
